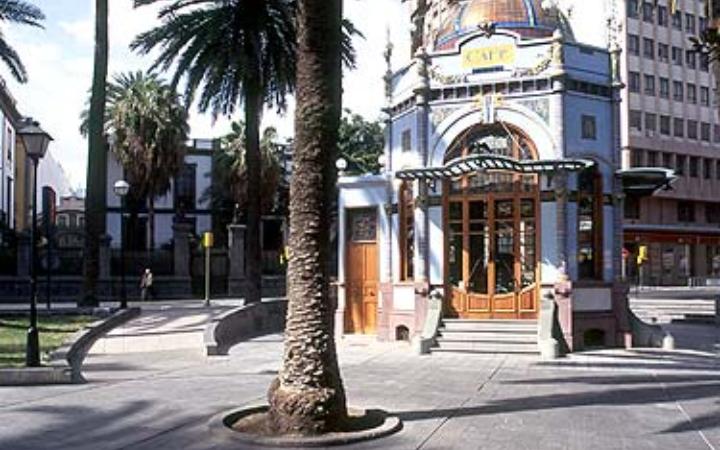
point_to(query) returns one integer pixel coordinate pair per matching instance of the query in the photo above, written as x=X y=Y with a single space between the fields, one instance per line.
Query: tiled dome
x=525 y=17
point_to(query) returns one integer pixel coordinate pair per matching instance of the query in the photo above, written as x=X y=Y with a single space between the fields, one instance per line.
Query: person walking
x=146 y=285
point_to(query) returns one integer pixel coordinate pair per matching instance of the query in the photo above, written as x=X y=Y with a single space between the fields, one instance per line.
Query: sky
x=59 y=60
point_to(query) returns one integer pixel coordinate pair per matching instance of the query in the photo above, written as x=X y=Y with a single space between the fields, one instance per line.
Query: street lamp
x=36 y=142
x=121 y=189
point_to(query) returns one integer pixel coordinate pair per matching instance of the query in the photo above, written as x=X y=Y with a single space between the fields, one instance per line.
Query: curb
x=65 y=366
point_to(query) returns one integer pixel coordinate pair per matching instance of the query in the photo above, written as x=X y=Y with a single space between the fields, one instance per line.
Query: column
x=236 y=254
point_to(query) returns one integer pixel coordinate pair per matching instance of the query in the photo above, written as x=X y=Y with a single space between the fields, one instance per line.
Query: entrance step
x=487 y=336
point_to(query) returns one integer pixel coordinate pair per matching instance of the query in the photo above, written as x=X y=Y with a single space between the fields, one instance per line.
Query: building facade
x=500 y=184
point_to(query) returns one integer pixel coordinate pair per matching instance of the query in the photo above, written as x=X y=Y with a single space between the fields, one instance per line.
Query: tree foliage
x=361 y=143
x=24 y=13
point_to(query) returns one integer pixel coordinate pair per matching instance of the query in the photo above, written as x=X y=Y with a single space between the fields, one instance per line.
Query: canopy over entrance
x=474 y=163
x=645 y=181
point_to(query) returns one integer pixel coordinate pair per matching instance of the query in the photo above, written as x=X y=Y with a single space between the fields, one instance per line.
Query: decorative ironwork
x=488 y=162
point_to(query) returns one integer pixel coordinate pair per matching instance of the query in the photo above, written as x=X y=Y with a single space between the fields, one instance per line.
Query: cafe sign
x=485 y=57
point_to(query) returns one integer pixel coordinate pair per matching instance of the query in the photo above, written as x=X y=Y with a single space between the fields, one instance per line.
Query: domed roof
x=526 y=17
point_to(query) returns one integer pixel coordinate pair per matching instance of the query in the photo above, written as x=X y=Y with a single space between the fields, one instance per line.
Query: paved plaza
x=151 y=387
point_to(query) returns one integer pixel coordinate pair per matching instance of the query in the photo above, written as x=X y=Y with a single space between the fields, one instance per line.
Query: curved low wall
x=65 y=366
x=647 y=335
x=243 y=323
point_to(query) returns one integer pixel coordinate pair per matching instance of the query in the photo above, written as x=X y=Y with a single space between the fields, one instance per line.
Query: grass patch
x=54 y=330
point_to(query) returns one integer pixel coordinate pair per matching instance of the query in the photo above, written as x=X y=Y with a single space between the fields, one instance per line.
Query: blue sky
x=59 y=61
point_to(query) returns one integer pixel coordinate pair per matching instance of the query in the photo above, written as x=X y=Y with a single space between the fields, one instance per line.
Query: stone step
x=520 y=326
x=485 y=347
x=489 y=336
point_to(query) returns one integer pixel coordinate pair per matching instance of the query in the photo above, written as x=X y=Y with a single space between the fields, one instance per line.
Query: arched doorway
x=492 y=230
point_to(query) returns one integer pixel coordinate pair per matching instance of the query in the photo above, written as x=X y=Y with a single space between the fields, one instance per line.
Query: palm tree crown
x=17 y=11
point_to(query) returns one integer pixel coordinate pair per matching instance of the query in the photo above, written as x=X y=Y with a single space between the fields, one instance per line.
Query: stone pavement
x=150 y=397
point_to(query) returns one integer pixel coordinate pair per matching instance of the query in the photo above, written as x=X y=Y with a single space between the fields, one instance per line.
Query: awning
x=487 y=162
x=645 y=181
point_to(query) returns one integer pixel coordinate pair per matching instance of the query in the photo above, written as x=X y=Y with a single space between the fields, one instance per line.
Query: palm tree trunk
x=151 y=229
x=308 y=396
x=253 y=259
x=97 y=157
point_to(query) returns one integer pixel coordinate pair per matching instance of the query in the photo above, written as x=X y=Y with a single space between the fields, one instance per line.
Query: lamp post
x=36 y=144
x=121 y=189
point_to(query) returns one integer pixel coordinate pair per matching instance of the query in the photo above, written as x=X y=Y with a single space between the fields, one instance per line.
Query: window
x=667 y=160
x=81 y=221
x=665 y=125
x=677 y=20
x=406 y=139
x=678 y=91
x=680 y=164
x=633 y=44
x=664 y=87
x=691 y=93
x=692 y=129
x=694 y=162
x=663 y=52
x=705 y=131
x=712 y=212
x=677 y=56
x=62 y=220
x=636 y=157
x=185 y=188
x=589 y=224
x=632 y=9
x=689 y=23
x=589 y=127
x=647 y=9
x=716 y=133
x=704 y=96
x=407 y=231
x=662 y=15
x=649 y=84
x=686 y=211
x=652 y=159
x=704 y=62
x=632 y=207
x=634 y=81
x=636 y=119
x=717 y=169
x=650 y=122
x=702 y=24
x=707 y=168
x=11 y=140
x=678 y=127
x=690 y=59
x=648 y=48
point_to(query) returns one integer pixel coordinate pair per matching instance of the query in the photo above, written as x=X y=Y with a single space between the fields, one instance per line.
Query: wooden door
x=361 y=272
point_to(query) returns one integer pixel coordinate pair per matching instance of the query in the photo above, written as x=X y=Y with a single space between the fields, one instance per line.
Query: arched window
x=589 y=225
x=407 y=231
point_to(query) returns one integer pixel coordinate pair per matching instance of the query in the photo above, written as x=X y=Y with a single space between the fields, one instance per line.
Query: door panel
x=361 y=276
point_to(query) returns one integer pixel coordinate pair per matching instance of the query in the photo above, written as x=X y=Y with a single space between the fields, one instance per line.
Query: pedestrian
x=146 y=285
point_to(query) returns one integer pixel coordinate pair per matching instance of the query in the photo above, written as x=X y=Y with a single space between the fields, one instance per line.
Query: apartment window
x=717 y=169
x=692 y=129
x=702 y=24
x=407 y=227
x=665 y=125
x=716 y=133
x=648 y=48
x=712 y=212
x=662 y=15
x=704 y=96
x=690 y=59
x=680 y=165
x=649 y=84
x=704 y=62
x=663 y=52
x=694 y=162
x=634 y=82
x=705 y=131
x=678 y=127
x=633 y=44
x=185 y=188
x=677 y=56
x=707 y=168
x=632 y=9
x=667 y=160
x=686 y=211
x=636 y=119
x=652 y=159
x=647 y=9
x=406 y=141
x=691 y=93
x=650 y=122
x=689 y=23
x=678 y=91
x=589 y=127
x=636 y=157
x=676 y=20
x=664 y=87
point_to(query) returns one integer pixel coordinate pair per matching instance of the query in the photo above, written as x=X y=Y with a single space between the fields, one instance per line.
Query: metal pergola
x=488 y=163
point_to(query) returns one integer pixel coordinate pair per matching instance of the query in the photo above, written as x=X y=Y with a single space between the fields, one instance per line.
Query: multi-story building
x=70 y=222
x=10 y=120
x=670 y=119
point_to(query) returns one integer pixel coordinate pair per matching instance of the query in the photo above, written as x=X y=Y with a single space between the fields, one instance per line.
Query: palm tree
x=232 y=52
x=17 y=11
x=150 y=127
x=308 y=396
x=97 y=159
